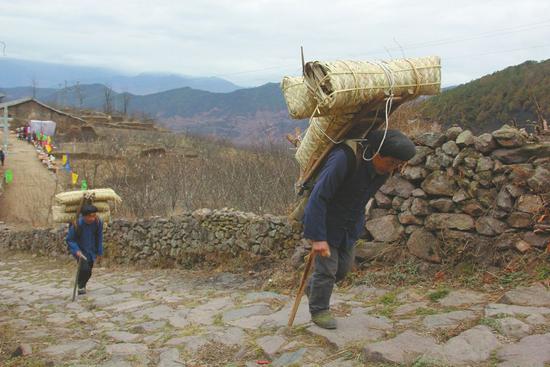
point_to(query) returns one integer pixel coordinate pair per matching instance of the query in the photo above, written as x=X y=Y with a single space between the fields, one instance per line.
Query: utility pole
x=6 y=125
x=6 y=129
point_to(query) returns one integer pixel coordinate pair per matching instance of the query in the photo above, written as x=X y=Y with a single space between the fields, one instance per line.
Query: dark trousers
x=85 y=272
x=328 y=270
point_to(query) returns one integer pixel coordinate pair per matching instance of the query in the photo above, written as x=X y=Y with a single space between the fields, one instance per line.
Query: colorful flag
x=84 y=185
x=68 y=167
x=74 y=178
x=49 y=140
x=64 y=159
x=48 y=148
x=8 y=176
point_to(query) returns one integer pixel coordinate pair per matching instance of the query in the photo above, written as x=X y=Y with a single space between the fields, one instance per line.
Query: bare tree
x=34 y=84
x=65 y=94
x=542 y=123
x=79 y=95
x=126 y=97
x=108 y=102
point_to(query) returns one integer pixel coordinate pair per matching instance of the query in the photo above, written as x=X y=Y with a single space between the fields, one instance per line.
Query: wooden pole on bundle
x=303 y=61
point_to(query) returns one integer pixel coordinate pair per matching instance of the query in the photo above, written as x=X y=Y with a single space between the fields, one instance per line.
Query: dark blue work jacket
x=335 y=211
x=89 y=240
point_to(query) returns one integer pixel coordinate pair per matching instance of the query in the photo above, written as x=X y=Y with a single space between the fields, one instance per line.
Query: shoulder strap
x=78 y=230
x=351 y=148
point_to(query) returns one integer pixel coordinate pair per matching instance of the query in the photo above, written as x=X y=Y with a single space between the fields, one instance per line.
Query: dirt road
x=26 y=201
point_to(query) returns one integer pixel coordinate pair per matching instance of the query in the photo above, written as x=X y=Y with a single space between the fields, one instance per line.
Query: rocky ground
x=155 y=317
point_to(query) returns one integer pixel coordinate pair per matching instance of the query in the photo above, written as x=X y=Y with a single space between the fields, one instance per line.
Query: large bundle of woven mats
x=69 y=203
x=336 y=95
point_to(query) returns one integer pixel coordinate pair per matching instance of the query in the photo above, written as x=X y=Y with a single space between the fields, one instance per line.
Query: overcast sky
x=251 y=42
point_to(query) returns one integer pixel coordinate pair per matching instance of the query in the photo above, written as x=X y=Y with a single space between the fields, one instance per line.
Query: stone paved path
x=27 y=200
x=181 y=318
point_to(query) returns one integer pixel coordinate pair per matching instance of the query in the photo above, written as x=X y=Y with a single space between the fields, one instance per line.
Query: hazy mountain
x=245 y=115
x=21 y=73
x=248 y=115
x=148 y=83
x=21 y=92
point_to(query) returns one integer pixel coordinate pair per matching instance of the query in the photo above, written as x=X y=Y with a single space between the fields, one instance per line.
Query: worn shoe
x=81 y=291
x=324 y=319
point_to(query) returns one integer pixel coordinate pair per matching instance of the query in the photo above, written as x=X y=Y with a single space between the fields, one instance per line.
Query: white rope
x=315 y=124
x=391 y=80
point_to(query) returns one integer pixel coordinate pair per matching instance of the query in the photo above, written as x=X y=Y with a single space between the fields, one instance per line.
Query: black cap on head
x=88 y=209
x=396 y=144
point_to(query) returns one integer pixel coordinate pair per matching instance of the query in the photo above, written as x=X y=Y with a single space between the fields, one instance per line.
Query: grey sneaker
x=324 y=319
x=81 y=291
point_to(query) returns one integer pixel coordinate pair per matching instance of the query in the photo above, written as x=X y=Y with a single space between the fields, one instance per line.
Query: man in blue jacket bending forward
x=334 y=216
x=86 y=243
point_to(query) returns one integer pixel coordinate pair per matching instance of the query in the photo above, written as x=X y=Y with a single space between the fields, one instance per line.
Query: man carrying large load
x=86 y=212
x=344 y=159
x=85 y=242
x=335 y=213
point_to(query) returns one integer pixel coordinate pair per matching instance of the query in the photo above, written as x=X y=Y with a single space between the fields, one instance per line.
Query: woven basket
x=299 y=99
x=321 y=132
x=74 y=197
x=102 y=206
x=345 y=84
x=60 y=216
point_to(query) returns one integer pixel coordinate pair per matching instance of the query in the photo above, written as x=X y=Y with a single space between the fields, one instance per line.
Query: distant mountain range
x=243 y=116
x=256 y=114
x=20 y=73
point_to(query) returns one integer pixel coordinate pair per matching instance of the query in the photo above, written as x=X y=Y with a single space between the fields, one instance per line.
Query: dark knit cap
x=396 y=144
x=88 y=209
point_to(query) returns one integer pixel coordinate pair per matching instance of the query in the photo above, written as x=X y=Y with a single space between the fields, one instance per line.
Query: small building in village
x=22 y=111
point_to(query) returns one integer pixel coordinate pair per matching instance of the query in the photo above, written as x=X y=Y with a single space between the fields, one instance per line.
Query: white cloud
x=254 y=41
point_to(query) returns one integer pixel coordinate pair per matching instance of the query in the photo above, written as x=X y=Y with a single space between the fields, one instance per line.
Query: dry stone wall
x=476 y=192
x=485 y=190
x=178 y=239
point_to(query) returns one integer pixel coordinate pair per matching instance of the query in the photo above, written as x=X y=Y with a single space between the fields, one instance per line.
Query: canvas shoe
x=324 y=319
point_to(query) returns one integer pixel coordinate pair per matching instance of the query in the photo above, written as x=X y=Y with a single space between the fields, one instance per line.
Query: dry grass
x=217 y=175
x=200 y=172
x=407 y=118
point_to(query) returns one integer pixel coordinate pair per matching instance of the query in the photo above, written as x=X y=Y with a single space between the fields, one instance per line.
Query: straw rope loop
x=356 y=81
x=416 y=76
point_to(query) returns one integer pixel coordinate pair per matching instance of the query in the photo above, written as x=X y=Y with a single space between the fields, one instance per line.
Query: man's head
x=89 y=213
x=396 y=149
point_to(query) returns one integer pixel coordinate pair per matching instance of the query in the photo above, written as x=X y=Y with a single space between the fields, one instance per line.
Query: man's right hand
x=80 y=255
x=321 y=248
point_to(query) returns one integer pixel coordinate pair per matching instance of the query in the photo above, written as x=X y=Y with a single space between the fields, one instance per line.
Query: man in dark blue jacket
x=86 y=243
x=334 y=216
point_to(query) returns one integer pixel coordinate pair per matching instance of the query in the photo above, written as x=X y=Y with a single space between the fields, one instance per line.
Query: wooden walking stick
x=77 y=274
x=305 y=275
x=75 y=225
x=76 y=278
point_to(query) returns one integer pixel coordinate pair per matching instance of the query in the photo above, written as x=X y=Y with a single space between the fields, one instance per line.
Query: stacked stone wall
x=487 y=192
